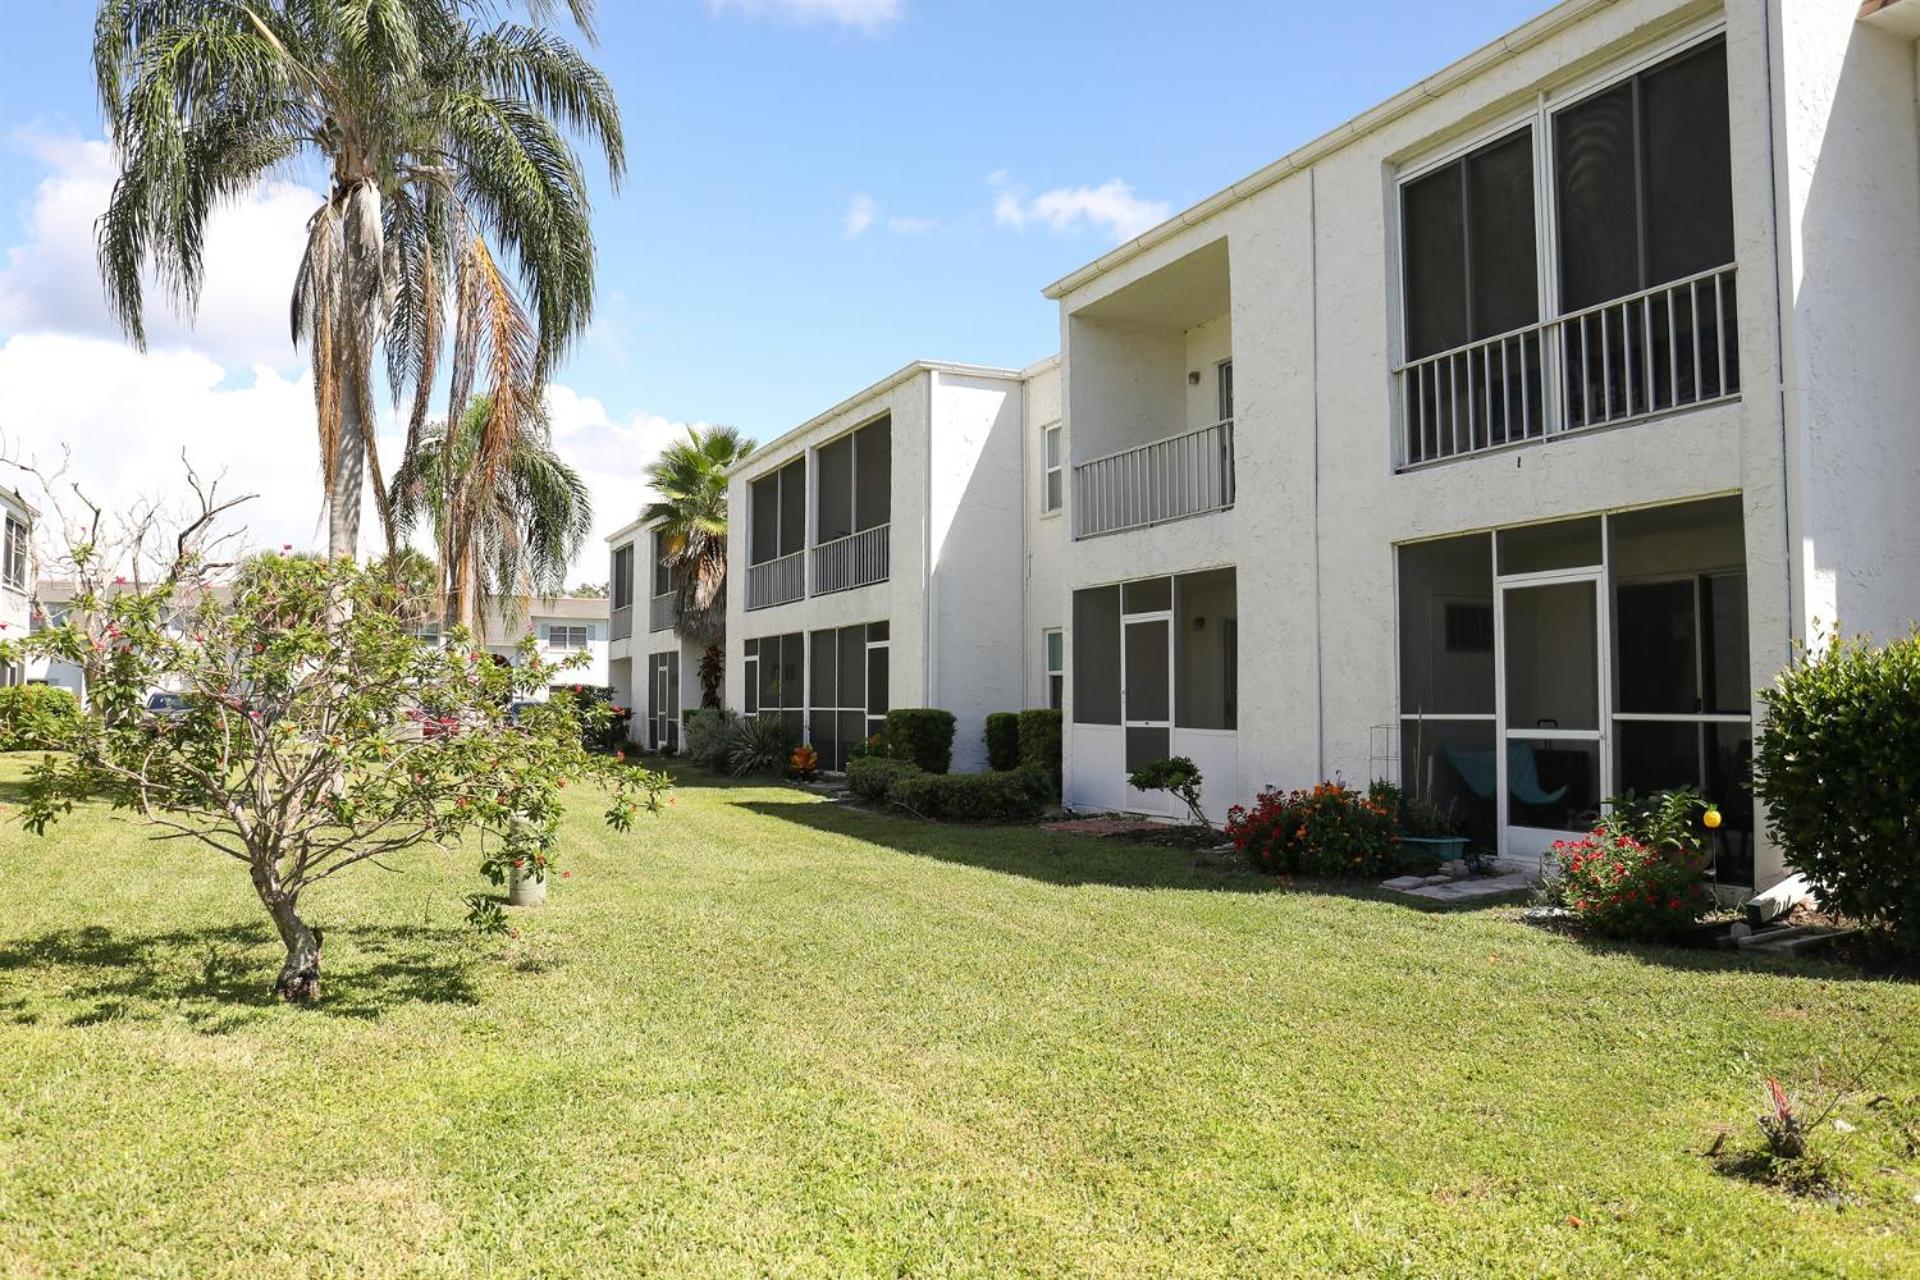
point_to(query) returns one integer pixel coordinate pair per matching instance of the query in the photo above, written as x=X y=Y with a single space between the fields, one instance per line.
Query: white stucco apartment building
x=562 y=627
x=17 y=518
x=652 y=668
x=1502 y=441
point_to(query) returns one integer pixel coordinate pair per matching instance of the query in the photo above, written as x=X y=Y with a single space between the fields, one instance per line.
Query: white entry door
x=1550 y=654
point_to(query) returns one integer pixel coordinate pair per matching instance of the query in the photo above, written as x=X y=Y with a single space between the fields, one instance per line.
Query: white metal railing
x=660 y=612
x=1184 y=475
x=622 y=620
x=1670 y=347
x=777 y=581
x=852 y=561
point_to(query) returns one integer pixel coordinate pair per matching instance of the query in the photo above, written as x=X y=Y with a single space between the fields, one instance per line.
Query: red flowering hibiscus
x=1328 y=830
x=1622 y=888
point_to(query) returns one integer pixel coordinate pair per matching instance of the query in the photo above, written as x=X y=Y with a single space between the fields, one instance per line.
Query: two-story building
x=563 y=629
x=651 y=666
x=1506 y=438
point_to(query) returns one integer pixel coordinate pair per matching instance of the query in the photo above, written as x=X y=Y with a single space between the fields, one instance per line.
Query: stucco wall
x=1045 y=560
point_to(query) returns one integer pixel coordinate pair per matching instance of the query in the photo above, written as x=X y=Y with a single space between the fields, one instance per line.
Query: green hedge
x=1040 y=743
x=870 y=777
x=1838 y=767
x=923 y=735
x=1006 y=796
x=35 y=717
x=1003 y=740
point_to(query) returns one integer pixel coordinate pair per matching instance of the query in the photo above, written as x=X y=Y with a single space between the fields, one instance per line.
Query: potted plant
x=1432 y=829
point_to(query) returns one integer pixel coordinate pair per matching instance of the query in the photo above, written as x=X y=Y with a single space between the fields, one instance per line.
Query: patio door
x=666 y=702
x=1146 y=699
x=1552 y=762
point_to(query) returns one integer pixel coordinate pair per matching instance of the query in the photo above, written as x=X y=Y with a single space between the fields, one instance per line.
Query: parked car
x=168 y=706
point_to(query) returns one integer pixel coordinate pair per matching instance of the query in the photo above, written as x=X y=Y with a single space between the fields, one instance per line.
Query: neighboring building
x=876 y=557
x=1501 y=441
x=653 y=669
x=16 y=577
x=563 y=627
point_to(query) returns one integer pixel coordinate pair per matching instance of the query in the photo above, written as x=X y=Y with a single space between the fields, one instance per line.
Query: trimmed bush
x=869 y=777
x=1003 y=740
x=1006 y=796
x=923 y=735
x=708 y=730
x=1040 y=743
x=33 y=717
x=1837 y=765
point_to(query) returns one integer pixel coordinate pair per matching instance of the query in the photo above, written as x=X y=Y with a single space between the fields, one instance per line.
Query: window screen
x=763 y=504
x=873 y=475
x=1096 y=656
x=1471 y=264
x=834 y=467
x=793 y=507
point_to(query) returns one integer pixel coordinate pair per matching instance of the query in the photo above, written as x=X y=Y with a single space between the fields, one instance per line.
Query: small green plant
x=708 y=729
x=1003 y=740
x=36 y=717
x=923 y=735
x=1328 y=830
x=1176 y=775
x=756 y=744
x=1837 y=765
x=870 y=777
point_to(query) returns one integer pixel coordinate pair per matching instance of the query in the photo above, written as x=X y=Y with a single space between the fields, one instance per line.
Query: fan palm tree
x=499 y=537
x=444 y=131
x=690 y=477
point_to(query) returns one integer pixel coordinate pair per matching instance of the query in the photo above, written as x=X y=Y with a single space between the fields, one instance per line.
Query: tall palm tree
x=523 y=528
x=690 y=477
x=444 y=130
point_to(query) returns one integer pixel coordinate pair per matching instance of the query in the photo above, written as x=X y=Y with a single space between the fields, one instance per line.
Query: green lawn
x=770 y=1036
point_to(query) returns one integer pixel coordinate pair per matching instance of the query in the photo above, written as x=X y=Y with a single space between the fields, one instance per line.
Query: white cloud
x=1112 y=206
x=51 y=282
x=864 y=15
x=864 y=213
x=861 y=211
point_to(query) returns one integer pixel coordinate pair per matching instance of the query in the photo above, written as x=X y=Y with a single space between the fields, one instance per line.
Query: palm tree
x=498 y=537
x=690 y=477
x=444 y=132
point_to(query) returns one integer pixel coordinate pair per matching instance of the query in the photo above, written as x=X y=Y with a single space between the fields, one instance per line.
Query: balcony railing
x=660 y=612
x=777 y=581
x=1671 y=347
x=622 y=623
x=1171 y=479
x=852 y=561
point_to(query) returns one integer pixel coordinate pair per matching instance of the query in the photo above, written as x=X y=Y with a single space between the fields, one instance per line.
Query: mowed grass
x=767 y=1035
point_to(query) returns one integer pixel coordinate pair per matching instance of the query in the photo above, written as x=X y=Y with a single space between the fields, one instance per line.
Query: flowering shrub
x=1622 y=887
x=1326 y=831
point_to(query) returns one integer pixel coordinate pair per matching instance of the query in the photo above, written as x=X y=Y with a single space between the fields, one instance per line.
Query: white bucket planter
x=525 y=890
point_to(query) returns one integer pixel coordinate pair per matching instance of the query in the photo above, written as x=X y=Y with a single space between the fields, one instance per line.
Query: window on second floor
x=1053 y=480
x=16 y=555
x=1223 y=381
x=855 y=475
x=777 y=513
x=621 y=588
x=664 y=579
x=567 y=635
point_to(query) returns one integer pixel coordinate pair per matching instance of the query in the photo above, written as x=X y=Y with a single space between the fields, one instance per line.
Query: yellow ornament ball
x=1711 y=820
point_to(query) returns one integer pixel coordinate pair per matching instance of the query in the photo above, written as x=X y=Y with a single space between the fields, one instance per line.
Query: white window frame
x=17 y=554
x=1223 y=389
x=555 y=630
x=1051 y=672
x=1053 y=434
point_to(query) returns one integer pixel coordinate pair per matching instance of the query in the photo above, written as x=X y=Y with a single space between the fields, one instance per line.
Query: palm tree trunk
x=348 y=478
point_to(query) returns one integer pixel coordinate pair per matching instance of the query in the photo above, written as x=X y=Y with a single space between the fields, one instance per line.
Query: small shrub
x=1177 y=775
x=36 y=717
x=1326 y=831
x=1040 y=743
x=1006 y=796
x=600 y=731
x=804 y=763
x=923 y=735
x=870 y=777
x=1003 y=740
x=707 y=732
x=1837 y=765
x=756 y=744
x=1620 y=887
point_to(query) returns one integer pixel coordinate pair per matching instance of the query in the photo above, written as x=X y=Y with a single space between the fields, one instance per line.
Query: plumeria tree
x=318 y=734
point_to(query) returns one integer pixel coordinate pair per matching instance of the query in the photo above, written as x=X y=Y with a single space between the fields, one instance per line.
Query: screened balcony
x=666 y=582
x=1636 y=316
x=777 y=527
x=1152 y=399
x=852 y=540
x=620 y=589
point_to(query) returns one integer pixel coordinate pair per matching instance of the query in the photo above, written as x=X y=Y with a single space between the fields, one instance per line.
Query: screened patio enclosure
x=1548 y=668
x=1155 y=674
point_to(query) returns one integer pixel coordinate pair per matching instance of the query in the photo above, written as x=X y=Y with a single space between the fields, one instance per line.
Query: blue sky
x=820 y=190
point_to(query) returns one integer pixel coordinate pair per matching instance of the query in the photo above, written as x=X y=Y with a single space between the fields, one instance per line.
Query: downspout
x=930 y=634
x=1313 y=354
x=1792 y=427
